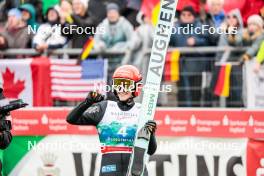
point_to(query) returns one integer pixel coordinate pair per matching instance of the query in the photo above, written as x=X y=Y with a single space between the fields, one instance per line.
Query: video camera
x=5 y=111
x=13 y=105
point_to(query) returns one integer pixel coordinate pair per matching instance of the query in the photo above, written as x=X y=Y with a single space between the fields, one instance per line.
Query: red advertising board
x=171 y=122
x=255 y=157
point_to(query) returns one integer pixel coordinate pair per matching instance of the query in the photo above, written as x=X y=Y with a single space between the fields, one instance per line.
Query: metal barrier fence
x=195 y=88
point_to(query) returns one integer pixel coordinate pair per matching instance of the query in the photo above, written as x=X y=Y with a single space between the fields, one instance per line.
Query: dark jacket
x=88 y=22
x=179 y=38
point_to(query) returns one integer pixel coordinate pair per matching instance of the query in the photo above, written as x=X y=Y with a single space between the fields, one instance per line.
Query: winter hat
x=112 y=6
x=189 y=9
x=255 y=19
x=15 y=12
x=84 y=3
x=28 y=7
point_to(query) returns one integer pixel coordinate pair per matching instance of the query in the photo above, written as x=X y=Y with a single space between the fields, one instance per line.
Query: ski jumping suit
x=116 y=123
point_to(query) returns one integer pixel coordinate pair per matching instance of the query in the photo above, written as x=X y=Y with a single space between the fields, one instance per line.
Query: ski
x=152 y=85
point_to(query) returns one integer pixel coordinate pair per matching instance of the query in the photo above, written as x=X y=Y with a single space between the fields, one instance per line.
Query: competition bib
x=118 y=128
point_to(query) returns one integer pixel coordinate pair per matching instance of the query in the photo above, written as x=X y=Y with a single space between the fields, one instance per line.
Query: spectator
x=46 y=4
x=142 y=40
x=117 y=33
x=29 y=15
x=260 y=58
x=66 y=10
x=187 y=19
x=38 y=6
x=216 y=9
x=100 y=15
x=15 y=33
x=5 y=6
x=232 y=30
x=117 y=36
x=213 y=19
x=49 y=34
x=79 y=18
x=253 y=36
x=131 y=11
x=208 y=22
x=191 y=65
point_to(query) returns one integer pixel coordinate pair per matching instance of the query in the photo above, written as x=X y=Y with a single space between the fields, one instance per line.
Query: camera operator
x=5 y=125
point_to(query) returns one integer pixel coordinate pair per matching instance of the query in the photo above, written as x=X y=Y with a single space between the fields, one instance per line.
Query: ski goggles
x=123 y=85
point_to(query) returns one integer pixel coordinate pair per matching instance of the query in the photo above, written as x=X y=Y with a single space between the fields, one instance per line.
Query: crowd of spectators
x=120 y=26
x=121 y=22
x=117 y=18
x=233 y=32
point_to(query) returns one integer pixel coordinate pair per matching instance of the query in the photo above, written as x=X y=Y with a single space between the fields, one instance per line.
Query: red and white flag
x=26 y=79
x=39 y=81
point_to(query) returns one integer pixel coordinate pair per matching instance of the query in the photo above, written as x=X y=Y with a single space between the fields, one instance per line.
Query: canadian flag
x=24 y=79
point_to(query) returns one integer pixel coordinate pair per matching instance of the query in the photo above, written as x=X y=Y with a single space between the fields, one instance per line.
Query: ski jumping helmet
x=128 y=75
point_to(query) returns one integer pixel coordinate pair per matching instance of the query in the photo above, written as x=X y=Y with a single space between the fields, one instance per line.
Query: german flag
x=172 y=68
x=222 y=87
x=151 y=8
x=88 y=46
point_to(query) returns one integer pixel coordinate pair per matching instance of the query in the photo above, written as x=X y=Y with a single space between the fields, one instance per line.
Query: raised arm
x=89 y=112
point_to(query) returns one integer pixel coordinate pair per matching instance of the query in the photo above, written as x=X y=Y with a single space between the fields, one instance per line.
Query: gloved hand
x=94 y=97
x=151 y=126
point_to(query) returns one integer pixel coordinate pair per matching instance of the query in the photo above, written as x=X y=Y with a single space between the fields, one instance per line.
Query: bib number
x=123 y=131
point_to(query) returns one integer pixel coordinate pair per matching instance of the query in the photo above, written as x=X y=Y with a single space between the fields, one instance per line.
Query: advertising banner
x=171 y=122
x=78 y=155
x=191 y=142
